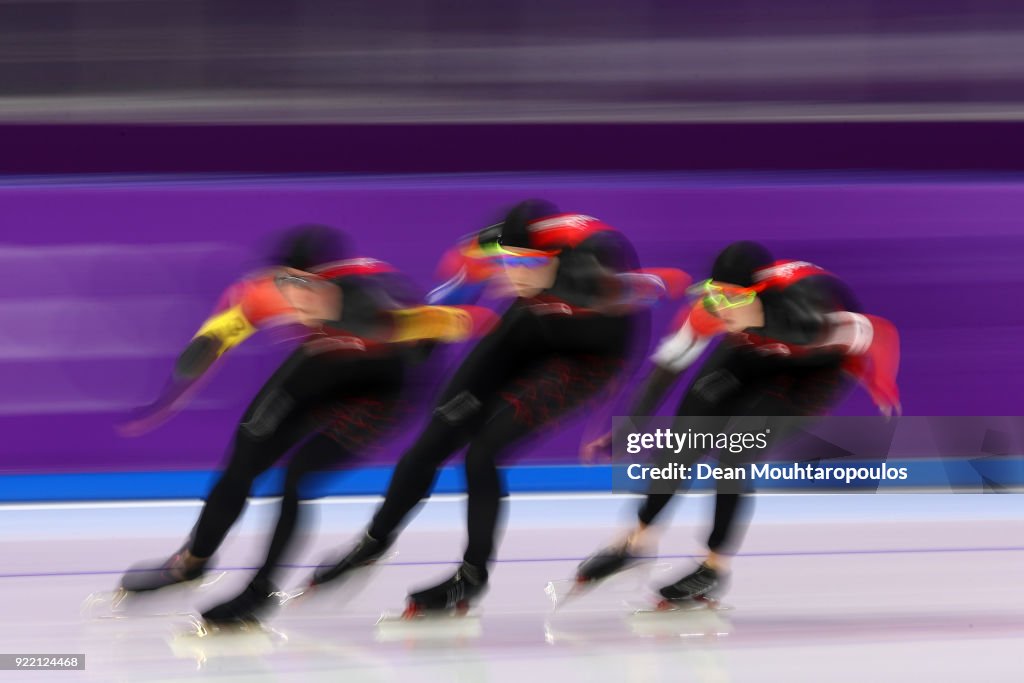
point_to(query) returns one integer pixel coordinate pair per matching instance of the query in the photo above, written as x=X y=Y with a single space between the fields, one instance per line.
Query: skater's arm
x=647 y=398
x=439 y=323
x=378 y=310
x=793 y=316
x=816 y=313
x=218 y=335
x=817 y=318
x=465 y=270
x=671 y=359
x=599 y=274
x=652 y=391
x=624 y=292
x=877 y=364
x=191 y=365
x=245 y=307
x=242 y=308
x=674 y=356
x=867 y=346
x=459 y=289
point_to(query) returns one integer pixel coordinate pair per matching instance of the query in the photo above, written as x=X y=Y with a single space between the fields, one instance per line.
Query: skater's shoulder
x=788 y=273
x=354 y=267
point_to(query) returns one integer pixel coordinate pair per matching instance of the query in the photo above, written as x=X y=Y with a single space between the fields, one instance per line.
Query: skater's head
x=297 y=251
x=530 y=279
x=730 y=294
x=515 y=231
x=737 y=263
x=304 y=247
x=528 y=271
x=312 y=298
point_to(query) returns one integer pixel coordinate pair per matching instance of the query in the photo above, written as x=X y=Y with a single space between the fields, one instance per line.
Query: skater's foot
x=366 y=552
x=705 y=584
x=181 y=567
x=605 y=563
x=720 y=563
x=457 y=593
x=247 y=606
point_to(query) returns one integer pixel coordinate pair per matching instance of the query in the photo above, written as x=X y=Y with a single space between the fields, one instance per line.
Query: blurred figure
x=791 y=334
x=261 y=300
x=337 y=394
x=562 y=342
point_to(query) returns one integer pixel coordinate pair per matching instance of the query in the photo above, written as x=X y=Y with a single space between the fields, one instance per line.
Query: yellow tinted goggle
x=717 y=296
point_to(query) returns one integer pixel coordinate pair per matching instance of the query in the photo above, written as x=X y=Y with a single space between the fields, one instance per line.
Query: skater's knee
x=238 y=477
x=482 y=469
x=297 y=474
x=251 y=456
x=459 y=410
x=435 y=445
x=481 y=459
x=266 y=416
x=415 y=466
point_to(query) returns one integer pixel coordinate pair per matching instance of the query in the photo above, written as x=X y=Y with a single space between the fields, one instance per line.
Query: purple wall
x=104 y=282
x=483 y=147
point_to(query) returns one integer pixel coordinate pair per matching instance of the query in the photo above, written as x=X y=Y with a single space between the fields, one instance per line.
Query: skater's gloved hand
x=243 y=308
x=890 y=410
x=193 y=363
x=598 y=450
x=149 y=417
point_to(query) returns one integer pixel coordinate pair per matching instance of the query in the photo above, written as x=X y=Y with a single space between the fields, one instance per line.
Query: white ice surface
x=922 y=588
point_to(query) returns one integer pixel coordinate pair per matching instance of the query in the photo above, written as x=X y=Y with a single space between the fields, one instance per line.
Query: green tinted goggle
x=716 y=296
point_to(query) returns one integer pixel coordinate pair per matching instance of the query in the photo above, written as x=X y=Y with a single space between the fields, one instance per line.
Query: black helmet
x=304 y=247
x=514 y=231
x=737 y=263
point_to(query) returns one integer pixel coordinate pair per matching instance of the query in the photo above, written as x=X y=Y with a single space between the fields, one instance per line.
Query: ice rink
x=900 y=587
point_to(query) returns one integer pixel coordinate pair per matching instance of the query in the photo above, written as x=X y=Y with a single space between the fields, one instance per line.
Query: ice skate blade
x=105 y=605
x=590 y=628
x=200 y=641
x=428 y=626
x=290 y=600
x=562 y=592
x=200 y=583
x=565 y=591
x=691 y=605
x=167 y=602
x=684 y=619
x=204 y=628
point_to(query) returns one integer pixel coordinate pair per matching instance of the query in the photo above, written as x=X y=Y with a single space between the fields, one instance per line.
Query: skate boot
x=366 y=552
x=258 y=598
x=604 y=563
x=154 y=575
x=703 y=585
x=454 y=595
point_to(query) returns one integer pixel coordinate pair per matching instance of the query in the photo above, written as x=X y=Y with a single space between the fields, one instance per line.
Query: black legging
x=415 y=473
x=510 y=385
x=317 y=454
x=734 y=384
x=302 y=401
